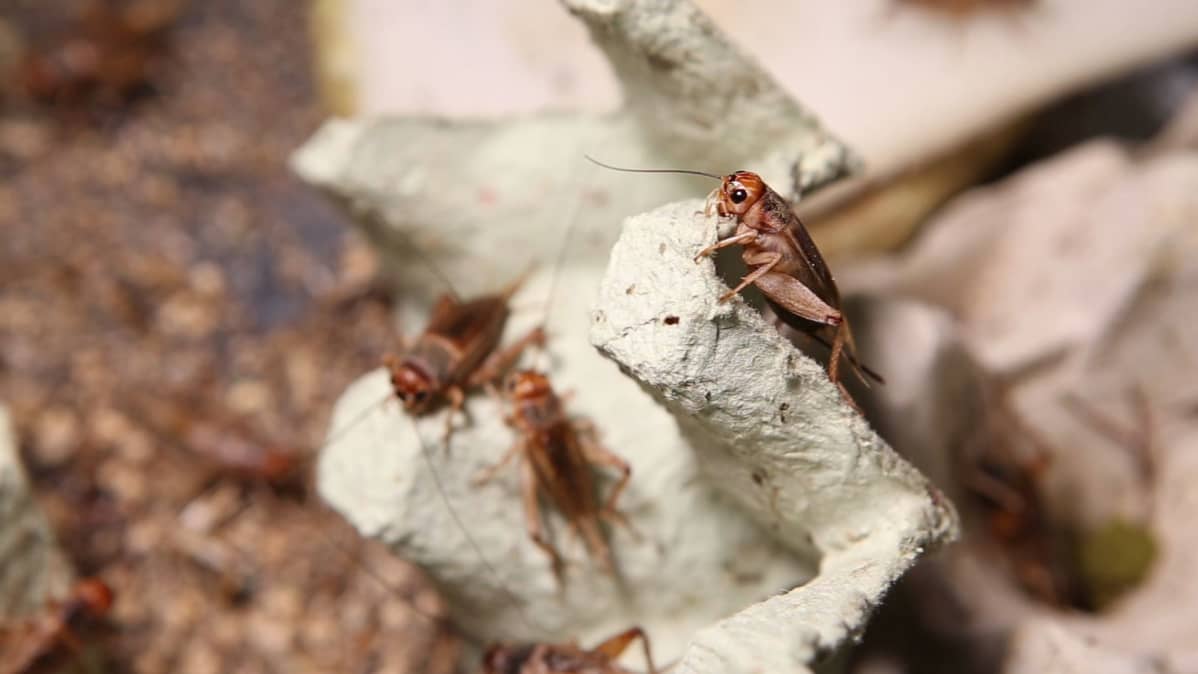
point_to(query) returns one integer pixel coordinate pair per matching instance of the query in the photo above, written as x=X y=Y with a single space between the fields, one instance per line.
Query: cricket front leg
x=457 y=400
x=615 y=646
x=532 y=513
x=499 y=362
x=737 y=240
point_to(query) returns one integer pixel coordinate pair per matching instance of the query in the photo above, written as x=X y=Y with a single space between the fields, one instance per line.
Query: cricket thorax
x=535 y=404
x=540 y=415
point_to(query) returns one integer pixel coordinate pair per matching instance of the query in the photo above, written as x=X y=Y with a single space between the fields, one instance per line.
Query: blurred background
x=178 y=312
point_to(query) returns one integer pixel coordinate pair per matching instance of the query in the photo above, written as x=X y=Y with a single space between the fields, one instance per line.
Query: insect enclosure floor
x=158 y=259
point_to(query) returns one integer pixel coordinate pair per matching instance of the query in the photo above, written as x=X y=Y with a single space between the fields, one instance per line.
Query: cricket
x=329 y=341
x=784 y=264
x=456 y=352
x=566 y=658
x=27 y=643
x=556 y=455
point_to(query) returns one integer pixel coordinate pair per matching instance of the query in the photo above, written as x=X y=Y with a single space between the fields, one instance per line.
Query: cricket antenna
x=334 y=436
x=394 y=590
x=559 y=264
x=652 y=170
x=427 y=454
x=461 y=524
x=427 y=262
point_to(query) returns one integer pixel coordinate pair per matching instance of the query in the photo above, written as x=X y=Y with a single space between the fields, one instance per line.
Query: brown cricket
x=534 y=657
x=784 y=263
x=565 y=658
x=1002 y=472
x=229 y=445
x=558 y=453
x=457 y=352
x=23 y=646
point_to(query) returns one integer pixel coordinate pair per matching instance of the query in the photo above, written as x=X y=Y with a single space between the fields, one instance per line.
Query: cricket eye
x=739 y=195
x=421 y=396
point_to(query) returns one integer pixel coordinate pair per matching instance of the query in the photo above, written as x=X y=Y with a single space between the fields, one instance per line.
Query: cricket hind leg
x=848 y=349
x=489 y=372
x=834 y=356
x=532 y=514
x=615 y=646
x=837 y=350
x=588 y=527
x=790 y=296
x=862 y=371
x=501 y=361
x=598 y=455
x=763 y=264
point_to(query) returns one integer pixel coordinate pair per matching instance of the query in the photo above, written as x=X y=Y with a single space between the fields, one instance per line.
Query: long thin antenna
x=352 y=423
x=391 y=588
x=559 y=261
x=427 y=261
x=453 y=513
x=652 y=170
x=426 y=454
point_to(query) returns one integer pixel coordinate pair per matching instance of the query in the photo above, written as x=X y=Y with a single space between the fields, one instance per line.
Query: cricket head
x=526 y=385
x=93 y=595
x=737 y=193
x=412 y=385
x=277 y=464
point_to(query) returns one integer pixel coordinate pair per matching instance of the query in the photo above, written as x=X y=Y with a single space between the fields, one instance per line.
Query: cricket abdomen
x=563 y=471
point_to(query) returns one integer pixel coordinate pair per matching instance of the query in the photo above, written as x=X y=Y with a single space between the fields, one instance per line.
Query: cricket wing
x=473 y=328
x=815 y=273
x=565 y=475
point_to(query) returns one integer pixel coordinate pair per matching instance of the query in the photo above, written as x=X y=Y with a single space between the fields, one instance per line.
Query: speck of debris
x=671 y=320
x=630 y=289
x=661 y=248
x=758 y=478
